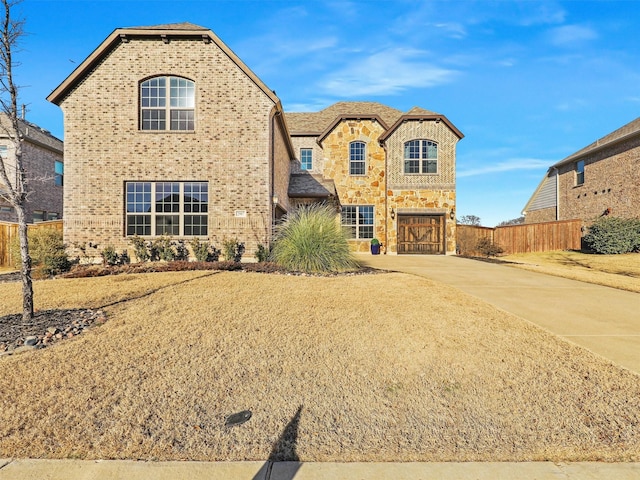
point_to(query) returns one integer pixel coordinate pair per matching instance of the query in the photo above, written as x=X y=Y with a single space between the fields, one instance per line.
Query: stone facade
x=239 y=144
x=384 y=185
x=40 y=152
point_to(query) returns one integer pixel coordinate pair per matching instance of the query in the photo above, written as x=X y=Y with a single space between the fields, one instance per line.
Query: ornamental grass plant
x=311 y=240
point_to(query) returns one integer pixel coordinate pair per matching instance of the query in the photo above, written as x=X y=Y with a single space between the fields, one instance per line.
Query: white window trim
x=420 y=159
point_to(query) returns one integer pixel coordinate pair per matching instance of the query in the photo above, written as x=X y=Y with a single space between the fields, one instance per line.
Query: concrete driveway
x=604 y=320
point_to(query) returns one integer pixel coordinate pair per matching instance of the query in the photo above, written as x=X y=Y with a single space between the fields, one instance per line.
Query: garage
x=421 y=234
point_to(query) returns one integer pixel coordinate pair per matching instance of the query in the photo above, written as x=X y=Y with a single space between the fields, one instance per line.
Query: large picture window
x=420 y=156
x=167 y=208
x=357 y=158
x=167 y=103
x=358 y=219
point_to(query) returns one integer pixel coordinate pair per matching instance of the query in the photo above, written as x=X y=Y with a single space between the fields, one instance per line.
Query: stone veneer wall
x=368 y=189
x=611 y=181
x=422 y=193
x=39 y=164
x=230 y=147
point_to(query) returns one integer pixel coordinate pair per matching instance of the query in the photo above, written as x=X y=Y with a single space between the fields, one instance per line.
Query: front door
x=421 y=234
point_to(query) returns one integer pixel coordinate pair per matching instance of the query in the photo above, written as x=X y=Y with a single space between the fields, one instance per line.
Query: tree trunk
x=27 y=284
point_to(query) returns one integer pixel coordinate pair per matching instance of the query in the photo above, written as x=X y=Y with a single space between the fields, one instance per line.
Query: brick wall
x=230 y=147
x=39 y=164
x=611 y=181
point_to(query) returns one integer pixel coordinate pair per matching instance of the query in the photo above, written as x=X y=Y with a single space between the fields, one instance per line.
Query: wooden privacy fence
x=8 y=231
x=527 y=238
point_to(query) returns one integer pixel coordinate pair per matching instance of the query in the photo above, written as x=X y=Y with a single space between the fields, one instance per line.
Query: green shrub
x=232 y=250
x=140 y=249
x=203 y=251
x=262 y=253
x=487 y=248
x=47 y=251
x=182 y=252
x=162 y=249
x=612 y=235
x=311 y=240
x=110 y=256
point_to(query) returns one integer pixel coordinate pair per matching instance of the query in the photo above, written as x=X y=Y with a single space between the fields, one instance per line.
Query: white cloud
x=387 y=72
x=510 y=165
x=571 y=36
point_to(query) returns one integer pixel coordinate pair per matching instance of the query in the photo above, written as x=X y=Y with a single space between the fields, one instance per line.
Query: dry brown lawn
x=386 y=367
x=617 y=271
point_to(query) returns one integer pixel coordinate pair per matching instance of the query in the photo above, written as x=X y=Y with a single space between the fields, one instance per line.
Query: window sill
x=171 y=132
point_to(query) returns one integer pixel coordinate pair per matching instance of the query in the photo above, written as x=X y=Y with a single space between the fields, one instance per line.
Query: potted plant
x=375 y=246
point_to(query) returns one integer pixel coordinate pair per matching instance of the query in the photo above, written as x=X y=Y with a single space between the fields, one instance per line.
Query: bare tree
x=470 y=220
x=15 y=188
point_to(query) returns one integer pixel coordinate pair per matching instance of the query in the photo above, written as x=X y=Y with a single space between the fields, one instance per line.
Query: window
x=3 y=151
x=306 y=159
x=167 y=208
x=167 y=103
x=359 y=220
x=59 y=174
x=39 y=216
x=580 y=172
x=53 y=215
x=420 y=156
x=356 y=158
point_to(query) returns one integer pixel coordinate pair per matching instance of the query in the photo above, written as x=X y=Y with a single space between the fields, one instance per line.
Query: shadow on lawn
x=284 y=450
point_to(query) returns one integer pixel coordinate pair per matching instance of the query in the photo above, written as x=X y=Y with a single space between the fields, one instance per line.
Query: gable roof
x=314 y=123
x=623 y=133
x=166 y=32
x=320 y=123
x=34 y=134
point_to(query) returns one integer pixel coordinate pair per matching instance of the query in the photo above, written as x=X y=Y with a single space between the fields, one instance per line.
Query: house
x=601 y=179
x=392 y=174
x=42 y=157
x=168 y=132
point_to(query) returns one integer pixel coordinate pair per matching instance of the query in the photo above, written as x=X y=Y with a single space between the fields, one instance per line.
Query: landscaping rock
x=30 y=341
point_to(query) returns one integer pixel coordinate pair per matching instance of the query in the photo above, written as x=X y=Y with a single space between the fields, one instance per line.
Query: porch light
x=452 y=214
x=275 y=200
x=393 y=214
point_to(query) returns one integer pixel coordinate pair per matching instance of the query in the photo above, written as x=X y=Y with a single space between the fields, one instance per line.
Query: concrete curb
x=139 y=470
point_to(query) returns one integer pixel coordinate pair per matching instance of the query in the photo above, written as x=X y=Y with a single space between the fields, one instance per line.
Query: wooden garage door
x=421 y=234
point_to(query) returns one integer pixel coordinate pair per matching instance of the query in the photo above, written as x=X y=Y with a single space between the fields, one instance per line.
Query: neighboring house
x=600 y=179
x=391 y=174
x=167 y=131
x=42 y=157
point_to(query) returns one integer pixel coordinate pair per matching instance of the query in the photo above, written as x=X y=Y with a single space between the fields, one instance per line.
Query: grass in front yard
x=387 y=367
x=617 y=271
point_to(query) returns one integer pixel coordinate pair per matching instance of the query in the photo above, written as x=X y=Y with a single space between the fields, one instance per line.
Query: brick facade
x=40 y=152
x=239 y=144
x=610 y=186
x=611 y=183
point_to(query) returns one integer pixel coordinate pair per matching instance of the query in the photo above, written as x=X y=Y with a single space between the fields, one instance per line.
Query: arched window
x=420 y=156
x=357 y=158
x=167 y=103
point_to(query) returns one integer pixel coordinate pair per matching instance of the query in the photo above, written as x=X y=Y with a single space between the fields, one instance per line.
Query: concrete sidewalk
x=134 y=470
x=602 y=319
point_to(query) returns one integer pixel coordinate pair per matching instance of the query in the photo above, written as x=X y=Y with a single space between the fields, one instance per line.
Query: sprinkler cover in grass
x=238 y=418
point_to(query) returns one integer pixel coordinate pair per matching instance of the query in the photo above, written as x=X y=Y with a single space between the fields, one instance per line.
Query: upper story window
x=306 y=158
x=356 y=158
x=580 y=172
x=420 y=156
x=167 y=103
x=59 y=174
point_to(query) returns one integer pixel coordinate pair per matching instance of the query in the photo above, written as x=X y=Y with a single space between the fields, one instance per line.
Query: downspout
x=557 y=193
x=272 y=185
x=386 y=200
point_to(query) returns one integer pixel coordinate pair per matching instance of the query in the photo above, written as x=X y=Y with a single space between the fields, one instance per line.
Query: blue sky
x=527 y=82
